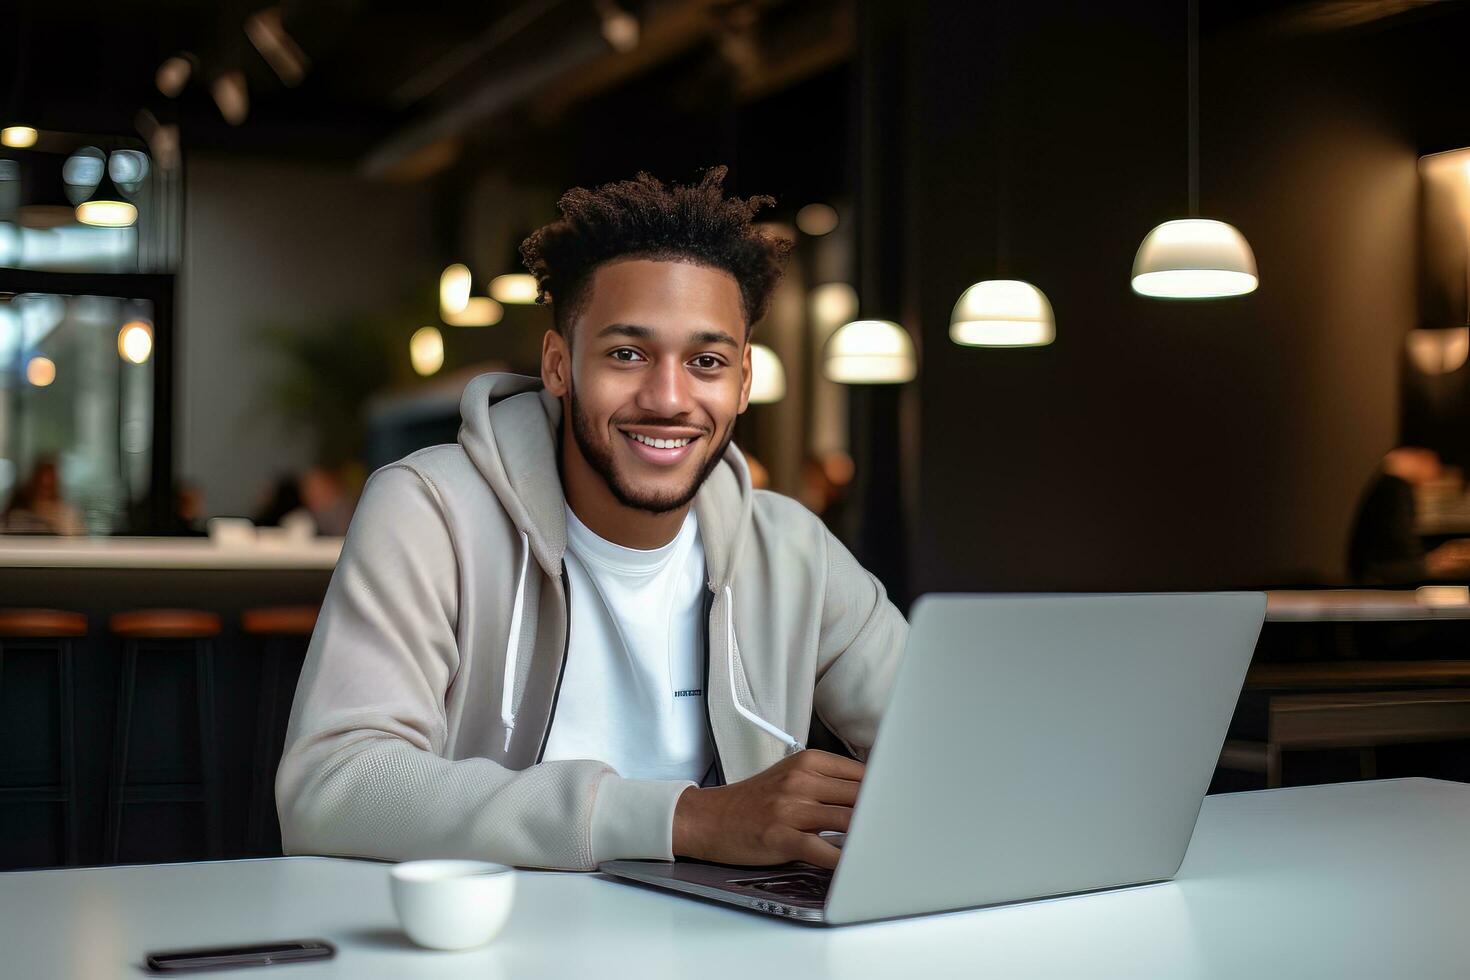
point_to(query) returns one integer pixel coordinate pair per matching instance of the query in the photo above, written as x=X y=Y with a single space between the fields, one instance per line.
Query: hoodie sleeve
x=365 y=773
x=862 y=643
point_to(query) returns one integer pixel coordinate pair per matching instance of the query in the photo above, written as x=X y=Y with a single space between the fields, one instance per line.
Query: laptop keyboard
x=808 y=886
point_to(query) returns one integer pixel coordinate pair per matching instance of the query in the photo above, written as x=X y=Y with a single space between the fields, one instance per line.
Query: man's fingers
x=813 y=850
x=826 y=789
x=837 y=766
x=814 y=817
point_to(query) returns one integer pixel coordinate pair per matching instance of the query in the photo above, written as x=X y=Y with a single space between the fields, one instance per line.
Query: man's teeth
x=660 y=443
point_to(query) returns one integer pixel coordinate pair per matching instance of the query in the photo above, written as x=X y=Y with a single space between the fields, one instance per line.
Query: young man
x=579 y=634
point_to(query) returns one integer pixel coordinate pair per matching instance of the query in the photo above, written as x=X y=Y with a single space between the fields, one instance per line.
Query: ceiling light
x=135 y=341
x=1002 y=313
x=455 y=284
x=426 y=350
x=816 y=219
x=1194 y=258
x=1439 y=350
x=870 y=352
x=106 y=207
x=277 y=46
x=767 y=376
x=232 y=96
x=19 y=137
x=833 y=304
x=479 y=311
x=514 y=287
x=40 y=371
x=619 y=27
x=173 y=75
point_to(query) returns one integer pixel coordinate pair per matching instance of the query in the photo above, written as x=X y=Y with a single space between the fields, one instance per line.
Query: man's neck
x=590 y=498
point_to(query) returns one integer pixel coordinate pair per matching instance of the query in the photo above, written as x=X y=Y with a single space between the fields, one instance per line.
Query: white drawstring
x=513 y=647
x=792 y=745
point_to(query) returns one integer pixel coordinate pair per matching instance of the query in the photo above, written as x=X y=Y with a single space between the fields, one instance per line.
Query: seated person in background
x=579 y=634
x=1385 y=548
x=38 y=508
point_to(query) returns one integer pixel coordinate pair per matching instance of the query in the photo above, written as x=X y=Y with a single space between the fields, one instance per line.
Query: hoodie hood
x=510 y=431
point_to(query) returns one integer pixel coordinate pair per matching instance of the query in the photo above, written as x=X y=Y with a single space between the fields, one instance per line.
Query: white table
x=1348 y=880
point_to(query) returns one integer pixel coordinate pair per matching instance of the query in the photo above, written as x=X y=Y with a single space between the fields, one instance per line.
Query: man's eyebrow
x=646 y=333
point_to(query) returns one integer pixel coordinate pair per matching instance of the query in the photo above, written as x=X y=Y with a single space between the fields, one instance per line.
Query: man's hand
x=772 y=817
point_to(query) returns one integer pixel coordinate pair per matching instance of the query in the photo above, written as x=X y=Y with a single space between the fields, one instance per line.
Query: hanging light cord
x=1194 y=108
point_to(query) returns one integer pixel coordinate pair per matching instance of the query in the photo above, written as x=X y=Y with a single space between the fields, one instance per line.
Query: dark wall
x=1156 y=444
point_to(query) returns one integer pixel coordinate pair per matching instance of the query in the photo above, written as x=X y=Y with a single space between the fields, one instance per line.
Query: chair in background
x=281 y=630
x=51 y=631
x=166 y=632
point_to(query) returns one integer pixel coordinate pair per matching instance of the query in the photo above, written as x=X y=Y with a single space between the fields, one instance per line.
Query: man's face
x=659 y=370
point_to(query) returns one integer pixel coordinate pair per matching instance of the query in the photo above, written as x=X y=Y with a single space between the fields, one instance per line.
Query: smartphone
x=231 y=957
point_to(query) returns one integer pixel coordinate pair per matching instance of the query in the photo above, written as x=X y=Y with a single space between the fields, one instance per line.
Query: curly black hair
x=643 y=218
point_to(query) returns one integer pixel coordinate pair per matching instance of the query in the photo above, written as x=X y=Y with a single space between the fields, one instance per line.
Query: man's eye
x=624 y=354
x=707 y=362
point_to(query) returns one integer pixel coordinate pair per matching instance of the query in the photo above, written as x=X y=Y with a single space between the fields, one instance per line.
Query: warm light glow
x=816 y=219
x=479 y=311
x=173 y=75
x=426 y=350
x=1194 y=258
x=232 y=96
x=514 y=287
x=767 y=376
x=135 y=341
x=1439 y=351
x=833 y=304
x=20 y=137
x=107 y=214
x=619 y=28
x=1002 y=313
x=1442 y=595
x=455 y=284
x=870 y=352
x=40 y=371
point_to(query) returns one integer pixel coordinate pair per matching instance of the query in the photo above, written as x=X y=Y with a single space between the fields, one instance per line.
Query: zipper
x=566 y=587
x=709 y=725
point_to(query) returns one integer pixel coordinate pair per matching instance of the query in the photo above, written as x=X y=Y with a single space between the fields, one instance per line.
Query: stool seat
x=279 y=620
x=166 y=624
x=39 y=623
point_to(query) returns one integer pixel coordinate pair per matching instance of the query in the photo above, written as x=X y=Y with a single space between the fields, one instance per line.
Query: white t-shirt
x=632 y=693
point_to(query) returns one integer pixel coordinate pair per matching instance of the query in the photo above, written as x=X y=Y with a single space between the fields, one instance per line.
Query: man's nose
x=665 y=392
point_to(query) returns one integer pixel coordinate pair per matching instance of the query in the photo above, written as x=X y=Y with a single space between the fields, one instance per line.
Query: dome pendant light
x=1194 y=258
x=106 y=207
x=866 y=352
x=1002 y=312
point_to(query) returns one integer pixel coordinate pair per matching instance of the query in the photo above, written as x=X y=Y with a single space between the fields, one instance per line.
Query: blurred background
x=249 y=253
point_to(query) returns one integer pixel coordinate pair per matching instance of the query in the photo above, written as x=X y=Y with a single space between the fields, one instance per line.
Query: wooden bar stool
x=50 y=630
x=166 y=631
x=278 y=628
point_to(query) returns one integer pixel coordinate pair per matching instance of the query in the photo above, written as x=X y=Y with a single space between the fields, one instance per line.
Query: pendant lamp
x=1194 y=257
x=1002 y=313
x=767 y=376
x=106 y=207
x=870 y=352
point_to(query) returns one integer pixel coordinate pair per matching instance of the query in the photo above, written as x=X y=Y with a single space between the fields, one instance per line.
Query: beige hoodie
x=431 y=680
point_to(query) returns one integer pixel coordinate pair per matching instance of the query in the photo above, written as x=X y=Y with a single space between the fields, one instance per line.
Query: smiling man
x=579 y=635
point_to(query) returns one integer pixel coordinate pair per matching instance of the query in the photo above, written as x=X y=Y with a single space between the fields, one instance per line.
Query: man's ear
x=744 y=379
x=556 y=364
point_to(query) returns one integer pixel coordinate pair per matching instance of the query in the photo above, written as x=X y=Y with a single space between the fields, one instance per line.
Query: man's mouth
x=660 y=448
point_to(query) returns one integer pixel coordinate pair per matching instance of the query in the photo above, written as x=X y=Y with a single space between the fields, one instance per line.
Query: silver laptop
x=1034 y=746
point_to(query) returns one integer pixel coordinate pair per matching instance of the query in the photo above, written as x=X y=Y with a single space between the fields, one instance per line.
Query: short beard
x=600 y=458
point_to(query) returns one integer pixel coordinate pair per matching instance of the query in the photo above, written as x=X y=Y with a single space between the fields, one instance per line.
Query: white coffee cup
x=447 y=904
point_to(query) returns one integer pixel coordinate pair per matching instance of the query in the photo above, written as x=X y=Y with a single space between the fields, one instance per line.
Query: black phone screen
x=230 y=957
